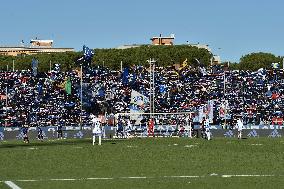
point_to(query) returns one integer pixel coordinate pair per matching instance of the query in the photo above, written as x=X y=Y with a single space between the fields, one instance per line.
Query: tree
x=255 y=61
x=66 y=60
x=111 y=58
x=166 y=55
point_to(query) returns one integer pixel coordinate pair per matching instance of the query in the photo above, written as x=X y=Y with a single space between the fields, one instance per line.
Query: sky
x=231 y=28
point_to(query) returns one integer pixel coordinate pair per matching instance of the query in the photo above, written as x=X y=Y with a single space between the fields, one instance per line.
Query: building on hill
x=41 y=43
x=169 y=41
x=37 y=46
x=216 y=59
x=200 y=46
x=155 y=41
x=163 y=40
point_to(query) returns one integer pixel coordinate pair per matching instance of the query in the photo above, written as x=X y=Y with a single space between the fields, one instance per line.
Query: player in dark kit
x=59 y=132
x=119 y=128
x=25 y=135
x=39 y=134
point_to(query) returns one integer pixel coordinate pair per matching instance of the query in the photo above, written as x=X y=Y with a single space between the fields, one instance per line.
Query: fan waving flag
x=184 y=64
x=125 y=76
x=68 y=88
x=162 y=88
x=88 y=55
x=137 y=105
x=275 y=65
x=34 y=66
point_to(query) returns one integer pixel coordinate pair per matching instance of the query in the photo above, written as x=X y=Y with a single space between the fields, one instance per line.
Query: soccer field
x=144 y=163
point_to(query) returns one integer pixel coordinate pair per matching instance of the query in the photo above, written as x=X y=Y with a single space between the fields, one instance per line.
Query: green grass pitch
x=144 y=163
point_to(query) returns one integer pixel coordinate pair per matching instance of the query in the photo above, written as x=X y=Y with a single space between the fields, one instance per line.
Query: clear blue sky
x=232 y=28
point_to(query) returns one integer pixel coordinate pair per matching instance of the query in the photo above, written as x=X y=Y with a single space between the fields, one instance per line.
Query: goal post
x=165 y=124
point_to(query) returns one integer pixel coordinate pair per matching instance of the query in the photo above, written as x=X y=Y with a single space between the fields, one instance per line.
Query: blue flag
x=34 y=63
x=134 y=77
x=39 y=88
x=125 y=76
x=34 y=66
x=162 y=88
x=88 y=55
x=101 y=92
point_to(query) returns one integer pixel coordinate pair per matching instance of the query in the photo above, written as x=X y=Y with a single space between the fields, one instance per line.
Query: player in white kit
x=207 y=129
x=96 y=129
x=240 y=126
x=128 y=128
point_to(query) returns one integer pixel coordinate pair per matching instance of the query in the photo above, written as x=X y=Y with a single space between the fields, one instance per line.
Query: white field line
x=28 y=180
x=225 y=176
x=136 y=177
x=101 y=178
x=63 y=179
x=12 y=185
x=189 y=176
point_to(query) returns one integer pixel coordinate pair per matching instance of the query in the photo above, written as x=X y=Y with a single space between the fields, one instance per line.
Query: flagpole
x=283 y=63
x=225 y=111
x=224 y=84
x=150 y=62
x=6 y=105
x=88 y=54
x=81 y=96
x=153 y=73
x=152 y=86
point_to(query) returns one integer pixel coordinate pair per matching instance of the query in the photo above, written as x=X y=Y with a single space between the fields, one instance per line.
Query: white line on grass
x=144 y=177
x=190 y=146
x=102 y=178
x=12 y=185
x=184 y=176
x=32 y=148
x=63 y=179
x=213 y=174
x=134 y=177
x=256 y=144
x=27 y=180
x=225 y=176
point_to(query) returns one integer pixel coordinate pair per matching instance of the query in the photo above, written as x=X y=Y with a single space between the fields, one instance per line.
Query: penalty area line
x=12 y=185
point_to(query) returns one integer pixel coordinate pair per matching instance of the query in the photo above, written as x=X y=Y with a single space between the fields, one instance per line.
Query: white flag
x=137 y=105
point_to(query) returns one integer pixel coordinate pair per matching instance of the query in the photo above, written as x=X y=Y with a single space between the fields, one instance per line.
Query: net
x=155 y=124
